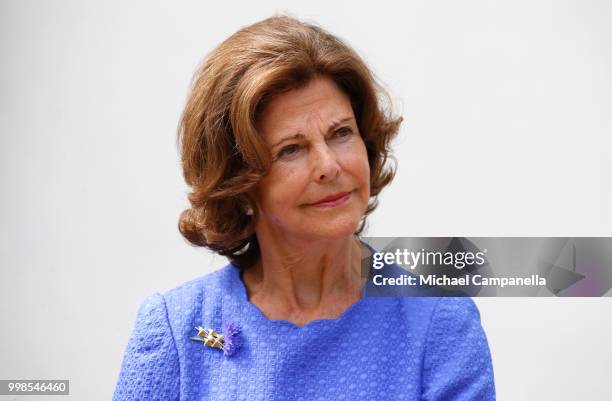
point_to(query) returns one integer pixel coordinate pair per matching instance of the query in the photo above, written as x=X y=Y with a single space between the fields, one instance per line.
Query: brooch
x=228 y=340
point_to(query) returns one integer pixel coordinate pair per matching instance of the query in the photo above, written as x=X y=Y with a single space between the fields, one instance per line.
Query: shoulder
x=176 y=311
x=455 y=328
x=191 y=296
x=436 y=316
x=457 y=361
x=193 y=301
x=456 y=311
x=217 y=281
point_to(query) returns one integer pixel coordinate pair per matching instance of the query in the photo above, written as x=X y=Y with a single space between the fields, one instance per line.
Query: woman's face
x=317 y=153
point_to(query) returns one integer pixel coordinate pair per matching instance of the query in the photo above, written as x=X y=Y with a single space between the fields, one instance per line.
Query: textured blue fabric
x=405 y=348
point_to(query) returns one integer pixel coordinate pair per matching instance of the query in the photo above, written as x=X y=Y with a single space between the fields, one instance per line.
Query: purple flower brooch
x=228 y=340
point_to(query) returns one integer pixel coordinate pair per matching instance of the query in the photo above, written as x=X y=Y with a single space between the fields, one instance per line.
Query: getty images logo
x=412 y=260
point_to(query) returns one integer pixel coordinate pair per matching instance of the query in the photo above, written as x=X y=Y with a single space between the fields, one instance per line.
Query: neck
x=301 y=281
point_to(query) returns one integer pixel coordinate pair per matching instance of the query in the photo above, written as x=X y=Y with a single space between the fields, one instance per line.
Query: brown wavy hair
x=222 y=153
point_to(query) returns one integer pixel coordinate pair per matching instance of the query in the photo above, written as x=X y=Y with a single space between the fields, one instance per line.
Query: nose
x=326 y=166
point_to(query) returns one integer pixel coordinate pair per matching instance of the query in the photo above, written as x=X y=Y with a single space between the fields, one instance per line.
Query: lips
x=332 y=199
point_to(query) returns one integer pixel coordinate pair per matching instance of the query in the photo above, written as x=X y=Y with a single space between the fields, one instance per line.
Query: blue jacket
x=384 y=348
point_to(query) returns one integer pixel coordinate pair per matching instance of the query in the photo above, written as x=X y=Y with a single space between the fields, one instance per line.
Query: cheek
x=358 y=165
x=365 y=169
x=281 y=189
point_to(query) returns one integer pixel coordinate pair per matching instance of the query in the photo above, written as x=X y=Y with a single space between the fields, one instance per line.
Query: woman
x=284 y=141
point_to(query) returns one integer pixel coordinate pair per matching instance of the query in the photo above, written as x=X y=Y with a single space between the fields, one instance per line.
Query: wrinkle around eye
x=290 y=151
x=346 y=130
x=284 y=154
x=342 y=135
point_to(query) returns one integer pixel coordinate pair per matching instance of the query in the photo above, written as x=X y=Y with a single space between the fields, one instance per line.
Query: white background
x=507 y=133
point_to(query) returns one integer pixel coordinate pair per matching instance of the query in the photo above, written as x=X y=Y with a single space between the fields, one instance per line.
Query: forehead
x=318 y=102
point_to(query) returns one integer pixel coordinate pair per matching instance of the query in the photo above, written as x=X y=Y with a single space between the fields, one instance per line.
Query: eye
x=288 y=150
x=343 y=132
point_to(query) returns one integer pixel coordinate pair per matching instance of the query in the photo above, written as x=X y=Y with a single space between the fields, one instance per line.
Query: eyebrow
x=331 y=127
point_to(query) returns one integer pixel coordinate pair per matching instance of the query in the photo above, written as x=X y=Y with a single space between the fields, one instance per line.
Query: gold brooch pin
x=228 y=340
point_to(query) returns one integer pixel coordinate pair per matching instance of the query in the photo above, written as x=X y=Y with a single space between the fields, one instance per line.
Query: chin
x=334 y=230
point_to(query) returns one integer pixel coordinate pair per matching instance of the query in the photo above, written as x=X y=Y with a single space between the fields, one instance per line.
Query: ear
x=249 y=202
